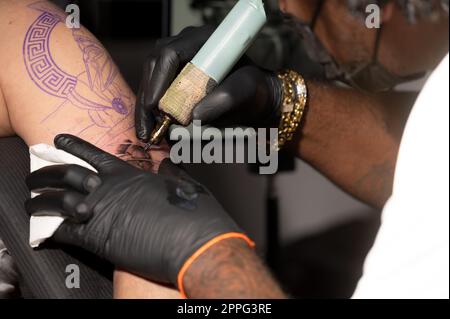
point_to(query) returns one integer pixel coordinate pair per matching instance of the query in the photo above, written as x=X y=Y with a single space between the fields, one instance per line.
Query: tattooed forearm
x=230 y=270
x=94 y=103
x=66 y=82
x=96 y=96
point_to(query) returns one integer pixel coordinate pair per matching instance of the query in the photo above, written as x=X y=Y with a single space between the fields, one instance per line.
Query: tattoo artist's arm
x=230 y=269
x=354 y=139
x=350 y=137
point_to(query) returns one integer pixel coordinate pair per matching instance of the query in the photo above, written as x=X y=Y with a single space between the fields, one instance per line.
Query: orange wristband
x=204 y=248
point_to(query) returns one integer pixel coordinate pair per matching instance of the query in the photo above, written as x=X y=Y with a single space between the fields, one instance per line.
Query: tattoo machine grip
x=189 y=88
x=211 y=64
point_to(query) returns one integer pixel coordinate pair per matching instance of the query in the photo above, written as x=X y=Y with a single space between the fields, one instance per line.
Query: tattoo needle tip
x=147 y=147
x=159 y=133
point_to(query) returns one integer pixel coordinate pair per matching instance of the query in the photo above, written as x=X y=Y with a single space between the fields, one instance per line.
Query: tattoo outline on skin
x=135 y=155
x=93 y=90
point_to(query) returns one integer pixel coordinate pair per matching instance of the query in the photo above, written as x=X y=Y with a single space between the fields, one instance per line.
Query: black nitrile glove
x=249 y=96
x=144 y=223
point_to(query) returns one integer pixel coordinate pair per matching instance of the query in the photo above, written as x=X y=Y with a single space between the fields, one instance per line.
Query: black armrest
x=43 y=271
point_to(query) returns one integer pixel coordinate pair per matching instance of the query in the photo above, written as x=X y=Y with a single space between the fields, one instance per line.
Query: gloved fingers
x=248 y=96
x=162 y=43
x=145 y=124
x=170 y=56
x=59 y=177
x=167 y=67
x=99 y=159
x=68 y=204
x=163 y=64
x=144 y=119
x=222 y=100
x=69 y=234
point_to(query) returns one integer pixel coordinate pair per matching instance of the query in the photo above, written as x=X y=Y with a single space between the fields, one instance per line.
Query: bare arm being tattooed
x=230 y=270
x=58 y=80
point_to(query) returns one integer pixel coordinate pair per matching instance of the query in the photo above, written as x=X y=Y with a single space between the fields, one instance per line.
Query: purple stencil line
x=40 y=65
x=79 y=100
x=100 y=73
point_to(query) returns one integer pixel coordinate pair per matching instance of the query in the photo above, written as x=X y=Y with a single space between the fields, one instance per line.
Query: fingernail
x=59 y=138
x=83 y=212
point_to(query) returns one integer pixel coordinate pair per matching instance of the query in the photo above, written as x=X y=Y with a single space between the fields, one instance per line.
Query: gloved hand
x=147 y=224
x=249 y=96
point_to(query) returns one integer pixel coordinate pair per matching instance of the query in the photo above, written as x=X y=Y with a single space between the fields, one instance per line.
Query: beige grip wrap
x=188 y=89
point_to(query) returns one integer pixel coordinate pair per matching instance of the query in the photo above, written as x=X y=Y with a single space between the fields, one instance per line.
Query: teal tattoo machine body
x=211 y=65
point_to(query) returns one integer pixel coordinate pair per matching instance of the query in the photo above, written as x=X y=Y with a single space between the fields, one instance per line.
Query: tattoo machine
x=211 y=65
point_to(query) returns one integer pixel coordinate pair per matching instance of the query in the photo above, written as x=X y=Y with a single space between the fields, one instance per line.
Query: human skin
x=353 y=137
x=223 y=263
x=58 y=80
x=230 y=270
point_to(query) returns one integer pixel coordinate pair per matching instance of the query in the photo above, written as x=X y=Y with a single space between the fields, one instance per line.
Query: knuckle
x=169 y=52
x=66 y=199
x=82 y=208
x=227 y=98
x=148 y=64
x=91 y=182
x=70 y=171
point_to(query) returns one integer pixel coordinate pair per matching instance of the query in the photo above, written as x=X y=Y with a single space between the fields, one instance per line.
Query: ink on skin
x=135 y=155
x=95 y=90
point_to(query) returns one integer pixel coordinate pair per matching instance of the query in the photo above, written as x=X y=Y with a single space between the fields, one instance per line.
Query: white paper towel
x=43 y=227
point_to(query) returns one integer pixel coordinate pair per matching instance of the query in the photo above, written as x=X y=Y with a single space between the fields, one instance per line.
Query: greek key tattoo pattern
x=95 y=90
x=40 y=65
